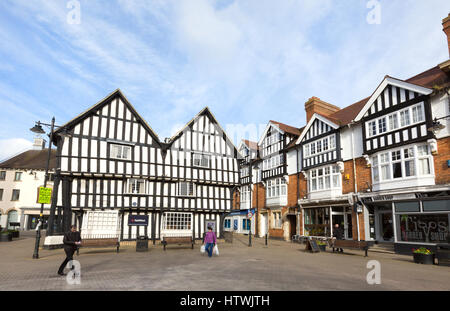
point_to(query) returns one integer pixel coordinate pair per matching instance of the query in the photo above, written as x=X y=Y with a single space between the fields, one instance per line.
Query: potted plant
x=322 y=245
x=5 y=236
x=423 y=255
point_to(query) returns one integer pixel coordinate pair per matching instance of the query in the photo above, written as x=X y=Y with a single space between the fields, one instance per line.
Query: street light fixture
x=39 y=130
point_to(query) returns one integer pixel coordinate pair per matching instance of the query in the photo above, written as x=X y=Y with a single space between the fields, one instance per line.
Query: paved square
x=280 y=266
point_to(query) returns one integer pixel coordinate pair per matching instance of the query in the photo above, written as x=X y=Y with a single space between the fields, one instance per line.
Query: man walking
x=338 y=233
x=71 y=241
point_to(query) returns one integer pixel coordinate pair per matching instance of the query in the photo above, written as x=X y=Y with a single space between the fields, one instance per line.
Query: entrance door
x=338 y=219
x=386 y=227
x=348 y=227
x=263 y=225
x=292 y=226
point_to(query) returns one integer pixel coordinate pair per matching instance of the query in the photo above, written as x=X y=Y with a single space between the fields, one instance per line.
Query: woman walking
x=210 y=241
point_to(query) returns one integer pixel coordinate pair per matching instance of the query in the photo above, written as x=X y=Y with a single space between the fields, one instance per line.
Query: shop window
x=227 y=223
x=177 y=221
x=401 y=207
x=317 y=221
x=432 y=206
x=425 y=228
x=246 y=224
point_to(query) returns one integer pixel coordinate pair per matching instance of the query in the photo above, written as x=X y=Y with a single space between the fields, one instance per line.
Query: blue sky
x=249 y=61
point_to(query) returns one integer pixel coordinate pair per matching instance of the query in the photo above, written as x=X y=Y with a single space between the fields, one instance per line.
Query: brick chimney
x=315 y=104
x=446 y=29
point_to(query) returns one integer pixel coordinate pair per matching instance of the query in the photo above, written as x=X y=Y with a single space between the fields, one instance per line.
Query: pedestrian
x=210 y=241
x=338 y=233
x=72 y=240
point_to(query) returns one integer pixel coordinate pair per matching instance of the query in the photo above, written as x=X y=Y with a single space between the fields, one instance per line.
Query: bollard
x=266 y=239
x=249 y=239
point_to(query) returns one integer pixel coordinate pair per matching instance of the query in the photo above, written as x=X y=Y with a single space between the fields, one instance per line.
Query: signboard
x=235 y=224
x=211 y=223
x=311 y=245
x=137 y=220
x=45 y=195
x=249 y=215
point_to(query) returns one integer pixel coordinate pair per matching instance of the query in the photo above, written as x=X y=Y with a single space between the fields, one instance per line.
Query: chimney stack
x=316 y=105
x=446 y=29
x=39 y=143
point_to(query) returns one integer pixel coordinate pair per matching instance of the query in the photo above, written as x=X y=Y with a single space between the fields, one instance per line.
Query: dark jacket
x=338 y=233
x=69 y=240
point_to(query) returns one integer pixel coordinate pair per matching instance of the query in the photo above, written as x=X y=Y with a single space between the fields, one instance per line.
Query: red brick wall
x=441 y=171
x=258 y=202
x=363 y=176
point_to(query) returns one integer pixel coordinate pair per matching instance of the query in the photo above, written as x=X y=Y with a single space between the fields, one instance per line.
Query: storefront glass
x=428 y=228
x=317 y=222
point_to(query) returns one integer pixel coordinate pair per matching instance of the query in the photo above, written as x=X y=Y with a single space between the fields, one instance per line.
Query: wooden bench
x=349 y=244
x=99 y=242
x=442 y=253
x=178 y=241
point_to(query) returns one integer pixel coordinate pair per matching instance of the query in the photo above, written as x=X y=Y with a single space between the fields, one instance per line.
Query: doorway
x=386 y=226
x=343 y=217
x=292 y=225
x=263 y=225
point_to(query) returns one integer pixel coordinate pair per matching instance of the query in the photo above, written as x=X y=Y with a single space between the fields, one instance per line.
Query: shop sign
x=137 y=220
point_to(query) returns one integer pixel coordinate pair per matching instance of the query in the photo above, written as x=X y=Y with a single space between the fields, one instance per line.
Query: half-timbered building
x=115 y=173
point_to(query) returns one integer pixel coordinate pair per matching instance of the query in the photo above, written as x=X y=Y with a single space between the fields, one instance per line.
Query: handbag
x=202 y=249
x=216 y=250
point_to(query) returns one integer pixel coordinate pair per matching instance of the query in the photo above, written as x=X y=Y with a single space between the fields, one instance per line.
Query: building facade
x=114 y=172
x=20 y=179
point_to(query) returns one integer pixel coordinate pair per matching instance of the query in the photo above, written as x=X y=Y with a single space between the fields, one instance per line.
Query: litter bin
x=142 y=244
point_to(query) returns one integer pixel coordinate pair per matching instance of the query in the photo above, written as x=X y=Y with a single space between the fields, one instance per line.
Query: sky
x=249 y=61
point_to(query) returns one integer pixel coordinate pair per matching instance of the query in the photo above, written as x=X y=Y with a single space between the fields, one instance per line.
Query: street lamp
x=39 y=130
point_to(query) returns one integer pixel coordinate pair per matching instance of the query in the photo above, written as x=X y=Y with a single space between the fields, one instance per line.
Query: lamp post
x=38 y=130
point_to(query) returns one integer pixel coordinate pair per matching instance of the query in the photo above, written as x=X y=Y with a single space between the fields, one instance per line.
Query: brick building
x=380 y=167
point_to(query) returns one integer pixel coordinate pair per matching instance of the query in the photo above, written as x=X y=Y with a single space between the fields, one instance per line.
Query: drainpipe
x=354 y=175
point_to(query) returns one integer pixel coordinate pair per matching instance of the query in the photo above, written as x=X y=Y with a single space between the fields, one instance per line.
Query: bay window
x=402 y=163
x=276 y=187
x=324 y=178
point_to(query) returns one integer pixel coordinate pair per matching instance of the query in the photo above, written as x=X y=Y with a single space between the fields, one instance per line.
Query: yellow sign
x=45 y=195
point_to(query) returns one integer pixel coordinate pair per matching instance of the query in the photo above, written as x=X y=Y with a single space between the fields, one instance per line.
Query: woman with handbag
x=210 y=241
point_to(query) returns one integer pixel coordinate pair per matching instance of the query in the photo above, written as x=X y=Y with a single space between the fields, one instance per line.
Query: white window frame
x=177 y=221
x=276 y=188
x=117 y=152
x=201 y=160
x=401 y=121
x=407 y=154
x=245 y=194
x=190 y=189
x=277 y=221
x=317 y=182
x=133 y=182
x=312 y=149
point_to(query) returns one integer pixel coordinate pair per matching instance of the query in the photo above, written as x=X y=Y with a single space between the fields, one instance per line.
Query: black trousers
x=69 y=257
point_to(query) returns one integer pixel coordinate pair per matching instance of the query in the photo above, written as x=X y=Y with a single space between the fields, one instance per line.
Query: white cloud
x=12 y=147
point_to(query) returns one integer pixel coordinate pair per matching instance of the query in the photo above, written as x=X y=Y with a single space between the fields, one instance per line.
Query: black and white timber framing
x=319 y=129
x=93 y=180
x=391 y=96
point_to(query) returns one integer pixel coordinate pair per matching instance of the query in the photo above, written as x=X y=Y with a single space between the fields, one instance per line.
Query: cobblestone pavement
x=280 y=266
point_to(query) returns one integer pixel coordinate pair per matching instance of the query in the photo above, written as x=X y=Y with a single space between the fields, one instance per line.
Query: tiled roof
x=251 y=144
x=430 y=78
x=31 y=159
x=287 y=128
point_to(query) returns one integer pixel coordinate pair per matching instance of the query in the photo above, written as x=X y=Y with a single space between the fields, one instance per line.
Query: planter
x=6 y=237
x=323 y=248
x=424 y=259
x=15 y=234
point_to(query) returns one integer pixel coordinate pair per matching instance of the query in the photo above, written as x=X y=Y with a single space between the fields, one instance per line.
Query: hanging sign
x=45 y=195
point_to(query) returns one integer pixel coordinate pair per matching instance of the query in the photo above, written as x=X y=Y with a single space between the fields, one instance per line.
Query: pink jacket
x=210 y=237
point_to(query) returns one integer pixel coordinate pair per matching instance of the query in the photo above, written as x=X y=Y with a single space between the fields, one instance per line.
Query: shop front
x=320 y=220
x=411 y=221
x=239 y=222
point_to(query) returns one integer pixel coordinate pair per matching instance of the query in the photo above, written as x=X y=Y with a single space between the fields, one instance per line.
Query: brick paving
x=282 y=266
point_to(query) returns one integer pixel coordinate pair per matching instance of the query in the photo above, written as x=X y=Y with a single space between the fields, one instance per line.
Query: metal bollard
x=266 y=239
